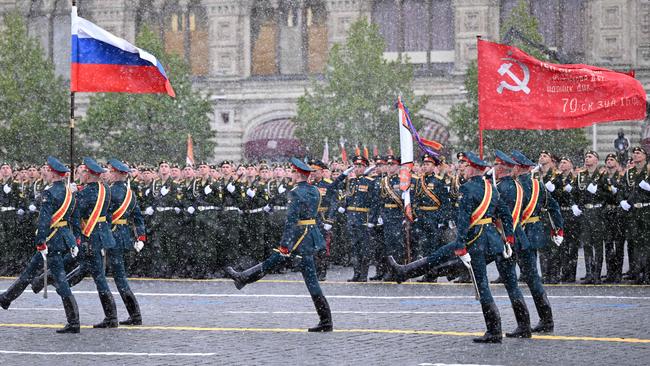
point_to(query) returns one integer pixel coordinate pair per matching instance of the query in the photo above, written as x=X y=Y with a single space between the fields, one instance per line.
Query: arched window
x=290 y=38
x=183 y=30
x=317 y=39
x=264 y=36
x=199 y=56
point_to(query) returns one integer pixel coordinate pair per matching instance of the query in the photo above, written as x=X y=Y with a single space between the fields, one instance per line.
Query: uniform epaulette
x=327 y=180
x=439 y=176
x=370 y=178
x=415 y=176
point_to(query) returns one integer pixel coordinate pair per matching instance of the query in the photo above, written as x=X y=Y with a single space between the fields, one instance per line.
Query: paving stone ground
x=211 y=323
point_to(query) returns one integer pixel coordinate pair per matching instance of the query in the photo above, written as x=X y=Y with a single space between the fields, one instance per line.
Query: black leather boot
x=493 y=323
x=523 y=320
x=12 y=293
x=324 y=313
x=132 y=307
x=110 y=311
x=71 y=314
x=414 y=269
x=546 y=324
x=243 y=278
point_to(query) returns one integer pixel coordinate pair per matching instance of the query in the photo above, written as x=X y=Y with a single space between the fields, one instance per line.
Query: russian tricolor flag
x=102 y=62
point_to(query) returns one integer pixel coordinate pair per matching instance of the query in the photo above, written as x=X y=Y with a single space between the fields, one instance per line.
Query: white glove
x=73 y=187
x=6 y=188
x=177 y=210
x=267 y=208
x=230 y=187
x=592 y=188
x=507 y=251
x=148 y=211
x=103 y=252
x=369 y=169
x=557 y=240
x=370 y=225
x=452 y=224
x=138 y=245
x=576 y=210
x=281 y=189
x=74 y=251
x=644 y=185
x=466 y=259
x=20 y=212
x=327 y=227
x=614 y=189
x=32 y=208
x=341 y=209
x=164 y=190
x=207 y=190
x=568 y=188
x=626 y=206
x=380 y=221
x=250 y=193
x=347 y=171
x=550 y=186
x=190 y=210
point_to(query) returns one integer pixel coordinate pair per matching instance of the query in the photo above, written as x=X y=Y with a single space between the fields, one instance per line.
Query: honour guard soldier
x=361 y=210
x=590 y=198
x=278 y=189
x=327 y=189
x=9 y=200
x=637 y=203
x=125 y=214
x=301 y=238
x=391 y=214
x=564 y=185
x=535 y=196
x=91 y=223
x=549 y=256
x=233 y=195
x=433 y=209
x=615 y=231
x=377 y=233
x=166 y=219
x=54 y=239
x=204 y=203
x=477 y=240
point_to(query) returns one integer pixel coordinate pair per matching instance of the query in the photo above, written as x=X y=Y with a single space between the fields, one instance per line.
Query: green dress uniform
x=637 y=200
x=564 y=185
x=593 y=233
x=231 y=219
x=615 y=230
x=167 y=220
x=9 y=244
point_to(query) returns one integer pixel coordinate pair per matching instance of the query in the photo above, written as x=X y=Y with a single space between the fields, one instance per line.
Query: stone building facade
x=255 y=57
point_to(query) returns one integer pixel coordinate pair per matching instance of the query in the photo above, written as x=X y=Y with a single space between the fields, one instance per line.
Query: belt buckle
x=638 y=205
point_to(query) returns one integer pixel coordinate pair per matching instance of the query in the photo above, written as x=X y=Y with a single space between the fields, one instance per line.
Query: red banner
x=517 y=91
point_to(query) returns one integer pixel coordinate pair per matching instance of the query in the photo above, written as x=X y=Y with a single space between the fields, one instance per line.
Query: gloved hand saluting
x=347 y=171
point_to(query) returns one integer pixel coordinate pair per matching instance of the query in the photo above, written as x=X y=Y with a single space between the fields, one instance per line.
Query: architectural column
x=473 y=18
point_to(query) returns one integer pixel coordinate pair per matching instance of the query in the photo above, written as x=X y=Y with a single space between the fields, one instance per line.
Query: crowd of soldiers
x=202 y=218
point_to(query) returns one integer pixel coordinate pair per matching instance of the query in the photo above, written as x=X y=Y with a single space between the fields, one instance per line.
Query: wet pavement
x=209 y=322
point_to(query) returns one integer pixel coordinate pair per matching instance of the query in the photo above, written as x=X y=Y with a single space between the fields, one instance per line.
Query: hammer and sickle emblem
x=520 y=85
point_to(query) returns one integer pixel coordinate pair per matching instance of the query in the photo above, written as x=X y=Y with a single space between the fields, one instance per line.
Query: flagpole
x=74 y=3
